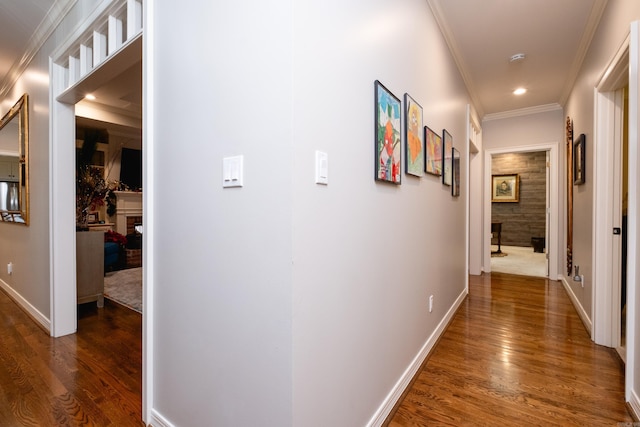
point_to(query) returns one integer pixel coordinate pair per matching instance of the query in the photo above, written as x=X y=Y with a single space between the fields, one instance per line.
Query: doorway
x=551 y=215
x=519 y=223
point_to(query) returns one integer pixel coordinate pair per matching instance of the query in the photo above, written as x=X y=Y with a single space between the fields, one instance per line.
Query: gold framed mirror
x=14 y=163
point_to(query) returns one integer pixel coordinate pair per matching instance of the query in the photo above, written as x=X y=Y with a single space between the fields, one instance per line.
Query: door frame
x=552 y=206
x=607 y=125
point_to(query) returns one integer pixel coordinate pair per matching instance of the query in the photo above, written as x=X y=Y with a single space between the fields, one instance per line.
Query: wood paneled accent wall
x=526 y=219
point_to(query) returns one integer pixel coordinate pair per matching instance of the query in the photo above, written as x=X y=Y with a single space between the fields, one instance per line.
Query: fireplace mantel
x=129 y=203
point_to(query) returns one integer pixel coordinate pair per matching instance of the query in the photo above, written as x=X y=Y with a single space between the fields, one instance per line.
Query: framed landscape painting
x=387 y=135
x=447 y=154
x=414 y=138
x=433 y=152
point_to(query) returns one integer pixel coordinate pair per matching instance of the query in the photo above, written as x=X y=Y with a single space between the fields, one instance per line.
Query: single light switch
x=322 y=168
x=232 y=171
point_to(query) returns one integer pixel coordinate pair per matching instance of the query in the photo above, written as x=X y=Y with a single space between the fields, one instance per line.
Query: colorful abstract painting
x=387 y=131
x=447 y=173
x=414 y=138
x=433 y=152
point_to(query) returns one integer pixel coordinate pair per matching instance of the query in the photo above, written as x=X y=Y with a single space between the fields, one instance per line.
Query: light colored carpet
x=521 y=260
x=125 y=287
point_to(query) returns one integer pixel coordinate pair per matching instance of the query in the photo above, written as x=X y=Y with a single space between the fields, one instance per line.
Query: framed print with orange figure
x=414 y=137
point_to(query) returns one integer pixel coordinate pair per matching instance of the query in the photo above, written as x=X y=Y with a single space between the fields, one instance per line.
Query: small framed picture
x=455 y=188
x=93 y=218
x=579 y=160
x=414 y=137
x=387 y=135
x=433 y=152
x=505 y=188
x=447 y=142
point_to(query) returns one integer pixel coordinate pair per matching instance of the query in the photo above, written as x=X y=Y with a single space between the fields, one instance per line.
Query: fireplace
x=128 y=211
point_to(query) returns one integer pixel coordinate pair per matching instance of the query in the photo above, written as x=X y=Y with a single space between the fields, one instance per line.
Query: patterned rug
x=125 y=287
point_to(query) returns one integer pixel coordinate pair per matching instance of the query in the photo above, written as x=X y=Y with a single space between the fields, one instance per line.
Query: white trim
x=26 y=306
x=62 y=242
x=467 y=195
x=522 y=112
x=576 y=304
x=148 y=201
x=395 y=394
x=632 y=212
x=157 y=420
x=554 y=207
x=634 y=404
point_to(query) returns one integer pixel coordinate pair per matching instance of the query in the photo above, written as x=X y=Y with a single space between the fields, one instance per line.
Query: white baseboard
x=634 y=405
x=576 y=303
x=396 y=392
x=26 y=306
x=157 y=420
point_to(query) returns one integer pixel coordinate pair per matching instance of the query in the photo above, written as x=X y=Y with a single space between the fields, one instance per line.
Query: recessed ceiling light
x=519 y=91
x=90 y=97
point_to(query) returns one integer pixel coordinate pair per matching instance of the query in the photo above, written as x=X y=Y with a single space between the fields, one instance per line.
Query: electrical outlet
x=430 y=303
x=10 y=268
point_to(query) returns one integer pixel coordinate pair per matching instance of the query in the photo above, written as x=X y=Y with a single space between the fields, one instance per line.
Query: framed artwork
x=447 y=142
x=579 y=160
x=414 y=138
x=93 y=218
x=455 y=188
x=433 y=152
x=387 y=135
x=505 y=188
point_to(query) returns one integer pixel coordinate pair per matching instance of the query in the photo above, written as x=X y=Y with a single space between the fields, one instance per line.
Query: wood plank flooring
x=91 y=378
x=516 y=354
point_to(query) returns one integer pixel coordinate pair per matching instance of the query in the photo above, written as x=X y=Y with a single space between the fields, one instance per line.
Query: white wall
x=305 y=302
x=223 y=86
x=367 y=255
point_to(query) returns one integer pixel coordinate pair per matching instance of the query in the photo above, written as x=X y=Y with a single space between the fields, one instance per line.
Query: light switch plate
x=322 y=168
x=232 y=171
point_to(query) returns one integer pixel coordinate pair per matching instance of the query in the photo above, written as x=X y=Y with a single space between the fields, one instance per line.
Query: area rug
x=125 y=287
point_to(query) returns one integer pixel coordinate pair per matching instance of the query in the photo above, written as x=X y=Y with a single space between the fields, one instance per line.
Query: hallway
x=516 y=353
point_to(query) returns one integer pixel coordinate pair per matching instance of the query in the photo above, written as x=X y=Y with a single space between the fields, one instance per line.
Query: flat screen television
x=131 y=168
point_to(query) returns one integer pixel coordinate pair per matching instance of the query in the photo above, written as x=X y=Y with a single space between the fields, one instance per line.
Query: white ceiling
x=19 y=21
x=482 y=34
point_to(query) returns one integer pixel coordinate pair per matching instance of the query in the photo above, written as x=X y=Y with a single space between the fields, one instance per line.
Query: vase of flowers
x=91 y=189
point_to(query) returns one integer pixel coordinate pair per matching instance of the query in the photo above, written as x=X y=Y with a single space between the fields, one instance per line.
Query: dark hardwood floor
x=516 y=354
x=91 y=378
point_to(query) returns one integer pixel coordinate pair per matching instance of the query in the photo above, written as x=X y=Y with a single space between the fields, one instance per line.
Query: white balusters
x=115 y=34
x=104 y=38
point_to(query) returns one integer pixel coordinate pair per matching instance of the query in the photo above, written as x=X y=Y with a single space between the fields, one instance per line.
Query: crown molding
x=49 y=23
x=447 y=34
x=523 y=112
x=589 y=32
